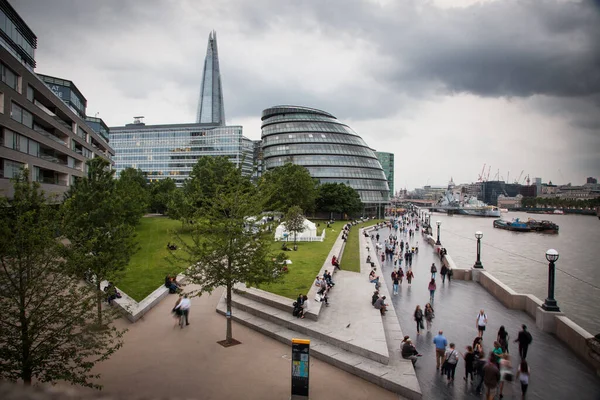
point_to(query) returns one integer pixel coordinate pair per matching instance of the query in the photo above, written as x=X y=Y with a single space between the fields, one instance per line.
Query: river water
x=518 y=259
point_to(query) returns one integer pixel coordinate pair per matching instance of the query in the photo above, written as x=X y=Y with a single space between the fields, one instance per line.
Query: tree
x=287 y=186
x=338 y=198
x=294 y=221
x=133 y=193
x=95 y=223
x=221 y=251
x=160 y=194
x=46 y=329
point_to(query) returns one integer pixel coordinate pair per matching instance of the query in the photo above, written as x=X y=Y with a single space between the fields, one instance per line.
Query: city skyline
x=510 y=84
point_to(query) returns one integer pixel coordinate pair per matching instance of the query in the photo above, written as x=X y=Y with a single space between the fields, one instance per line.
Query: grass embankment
x=149 y=265
x=351 y=255
x=308 y=260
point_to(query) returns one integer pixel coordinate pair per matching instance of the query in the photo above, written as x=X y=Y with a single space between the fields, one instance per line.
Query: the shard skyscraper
x=210 y=104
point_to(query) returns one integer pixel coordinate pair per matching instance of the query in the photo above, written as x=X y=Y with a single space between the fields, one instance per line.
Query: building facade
x=387 y=163
x=330 y=150
x=38 y=129
x=171 y=151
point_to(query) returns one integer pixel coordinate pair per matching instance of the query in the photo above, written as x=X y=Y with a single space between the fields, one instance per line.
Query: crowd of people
x=490 y=370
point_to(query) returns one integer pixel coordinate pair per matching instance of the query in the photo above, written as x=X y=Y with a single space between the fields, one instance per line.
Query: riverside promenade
x=556 y=372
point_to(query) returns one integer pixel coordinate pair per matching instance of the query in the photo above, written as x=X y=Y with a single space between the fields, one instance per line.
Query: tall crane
x=480 y=178
x=527 y=179
x=487 y=178
x=520 y=175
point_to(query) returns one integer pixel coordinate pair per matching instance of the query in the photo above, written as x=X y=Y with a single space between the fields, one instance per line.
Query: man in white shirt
x=481 y=322
x=184 y=306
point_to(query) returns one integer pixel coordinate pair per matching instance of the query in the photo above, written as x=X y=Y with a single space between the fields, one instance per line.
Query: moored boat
x=531 y=225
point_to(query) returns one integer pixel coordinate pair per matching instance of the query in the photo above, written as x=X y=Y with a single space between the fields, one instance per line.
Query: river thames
x=518 y=259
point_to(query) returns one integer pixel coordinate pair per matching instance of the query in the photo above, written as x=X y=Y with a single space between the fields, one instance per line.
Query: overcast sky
x=446 y=85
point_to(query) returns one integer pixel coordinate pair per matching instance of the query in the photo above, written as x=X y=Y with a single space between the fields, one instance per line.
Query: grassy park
x=308 y=260
x=149 y=265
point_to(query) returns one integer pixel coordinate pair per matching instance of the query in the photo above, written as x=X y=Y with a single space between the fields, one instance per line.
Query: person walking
x=491 y=377
x=433 y=270
x=451 y=356
x=523 y=377
x=432 y=286
x=503 y=339
x=469 y=358
x=524 y=339
x=506 y=374
x=443 y=272
x=409 y=276
x=184 y=306
x=481 y=322
x=429 y=315
x=440 y=342
x=418 y=314
x=395 y=282
x=400 y=275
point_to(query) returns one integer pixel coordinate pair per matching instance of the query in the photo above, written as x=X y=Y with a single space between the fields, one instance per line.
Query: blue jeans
x=431 y=294
x=395 y=287
x=433 y=275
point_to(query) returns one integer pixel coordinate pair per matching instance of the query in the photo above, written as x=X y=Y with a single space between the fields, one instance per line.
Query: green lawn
x=149 y=265
x=308 y=260
x=351 y=256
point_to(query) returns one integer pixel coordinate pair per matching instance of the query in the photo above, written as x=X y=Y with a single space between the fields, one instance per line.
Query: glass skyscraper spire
x=210 y=104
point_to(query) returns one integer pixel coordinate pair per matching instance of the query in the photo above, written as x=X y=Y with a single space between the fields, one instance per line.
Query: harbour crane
x=527 y=179
x=520 y=175
x=480 y=178
x=487 y=178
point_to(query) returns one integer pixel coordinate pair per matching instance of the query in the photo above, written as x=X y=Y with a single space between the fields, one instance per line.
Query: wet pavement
x=556 y=373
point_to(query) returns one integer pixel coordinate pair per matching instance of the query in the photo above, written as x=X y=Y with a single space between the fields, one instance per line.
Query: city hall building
x=330 y=150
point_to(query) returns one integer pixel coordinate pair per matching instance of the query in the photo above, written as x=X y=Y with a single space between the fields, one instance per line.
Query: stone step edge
x=330 y=354
x=306 y=330
x=269 y=299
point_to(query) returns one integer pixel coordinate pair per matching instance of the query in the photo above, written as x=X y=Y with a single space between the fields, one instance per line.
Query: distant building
x=591 y=180
x=330 y=150
x=510 y=202
x=171 y=151
x=387 y=163
x=42 y=128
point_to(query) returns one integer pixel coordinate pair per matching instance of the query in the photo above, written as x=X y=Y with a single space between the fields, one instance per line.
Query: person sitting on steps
x=409 y=351
x=381 y=305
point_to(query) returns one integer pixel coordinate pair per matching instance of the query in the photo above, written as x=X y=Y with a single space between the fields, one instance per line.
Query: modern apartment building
x=42 y=119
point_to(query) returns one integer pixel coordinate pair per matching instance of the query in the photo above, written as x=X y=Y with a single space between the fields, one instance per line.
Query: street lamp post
x=438 y=223
x=478 y=264
x=550 y=303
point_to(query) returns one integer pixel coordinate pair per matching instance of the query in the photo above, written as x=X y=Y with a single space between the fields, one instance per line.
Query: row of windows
x=300 y=117
x=236 y=132
x=11 y=30
x=325 y=160
x=305 y=127
x=10 y=169
x=313 y=138
x=344 y=172
x=124 y=144
x=21 y=115
x=298 y=149
x=9 y=77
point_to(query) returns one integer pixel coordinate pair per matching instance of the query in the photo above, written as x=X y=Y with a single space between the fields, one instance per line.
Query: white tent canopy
x=310 y=230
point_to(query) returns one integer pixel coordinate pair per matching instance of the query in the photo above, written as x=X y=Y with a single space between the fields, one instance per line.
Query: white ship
x=453 y=203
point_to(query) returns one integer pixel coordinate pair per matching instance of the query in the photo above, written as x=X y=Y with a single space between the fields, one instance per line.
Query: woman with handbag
x=429 y=315
x=419 y=319
x=506 y=373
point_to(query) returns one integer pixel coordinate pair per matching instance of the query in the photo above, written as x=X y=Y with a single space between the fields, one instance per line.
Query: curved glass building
x=329 y=149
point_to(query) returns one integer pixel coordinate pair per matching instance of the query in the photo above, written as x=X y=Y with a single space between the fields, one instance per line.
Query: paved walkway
x=556 y=373
x=161 y=361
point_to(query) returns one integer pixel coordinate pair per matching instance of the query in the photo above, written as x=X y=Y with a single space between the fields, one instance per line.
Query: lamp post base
x=438 y=243
x=478 y=264
x=550 y=305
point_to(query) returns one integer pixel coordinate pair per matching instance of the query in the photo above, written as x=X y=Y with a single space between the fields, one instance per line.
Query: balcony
x=49 y=135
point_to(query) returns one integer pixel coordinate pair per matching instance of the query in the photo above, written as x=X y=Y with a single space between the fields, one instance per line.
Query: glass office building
x=211 y=109
x=171 y=151
x=330 y=150
x=387 y=163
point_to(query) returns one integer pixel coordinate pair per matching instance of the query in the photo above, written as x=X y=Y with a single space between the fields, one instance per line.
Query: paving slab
x=556 y=373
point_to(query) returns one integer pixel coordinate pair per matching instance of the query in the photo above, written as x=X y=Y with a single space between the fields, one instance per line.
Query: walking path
x=556 y=373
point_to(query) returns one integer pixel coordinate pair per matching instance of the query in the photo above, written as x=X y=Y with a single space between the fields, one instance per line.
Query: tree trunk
x=229 y=334
x=99 y=297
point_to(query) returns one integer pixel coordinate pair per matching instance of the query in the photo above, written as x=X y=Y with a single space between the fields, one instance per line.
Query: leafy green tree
x=132 y=188
x=95 y=223
x=160 y=194
x=287 y=186
x=338 y=198
x=46 y=330
x=294 y=221
x=221 y=251
x=180 y=207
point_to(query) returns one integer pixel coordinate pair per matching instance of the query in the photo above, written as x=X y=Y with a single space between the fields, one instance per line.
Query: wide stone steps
x=400 y=379
x=304 y=326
